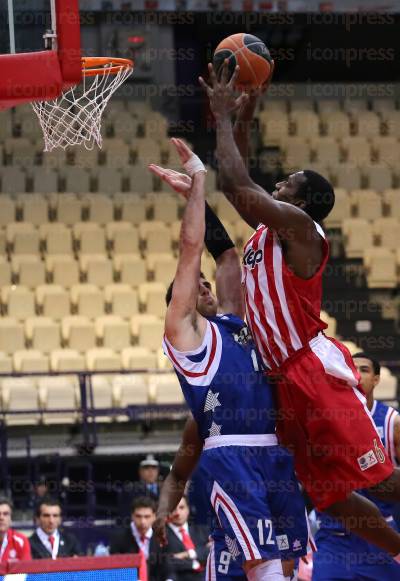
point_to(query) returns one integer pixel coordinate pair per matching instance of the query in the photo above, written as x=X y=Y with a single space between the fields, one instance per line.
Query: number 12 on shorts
x=265 y=532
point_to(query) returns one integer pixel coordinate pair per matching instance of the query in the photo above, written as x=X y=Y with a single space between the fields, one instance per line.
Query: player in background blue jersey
x=253 y=490
x=343 y=556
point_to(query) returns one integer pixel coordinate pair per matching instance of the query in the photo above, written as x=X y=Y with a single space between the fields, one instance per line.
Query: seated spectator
x=147 y=485
x=50 y=541
x=138 y=535
x=13 y=546
x=187 y=550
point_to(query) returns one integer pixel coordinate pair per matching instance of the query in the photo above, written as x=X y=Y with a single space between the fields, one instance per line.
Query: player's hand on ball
x=223 y=100
x=179 y=182
x=160 y=530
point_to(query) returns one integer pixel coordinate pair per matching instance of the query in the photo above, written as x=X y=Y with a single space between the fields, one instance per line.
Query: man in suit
x=186 y=552
x=138 y=535
x=49 y=541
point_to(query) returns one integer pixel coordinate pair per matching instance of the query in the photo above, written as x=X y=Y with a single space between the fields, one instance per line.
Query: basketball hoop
x=75 y=116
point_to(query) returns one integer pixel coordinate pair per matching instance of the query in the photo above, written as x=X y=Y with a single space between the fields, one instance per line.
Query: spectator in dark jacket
x=147 y=485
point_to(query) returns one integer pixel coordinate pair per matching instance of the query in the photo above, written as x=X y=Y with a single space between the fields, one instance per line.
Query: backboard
x=43 y=54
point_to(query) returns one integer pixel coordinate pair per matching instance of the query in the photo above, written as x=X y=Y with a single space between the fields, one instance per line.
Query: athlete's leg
x=360 y=516
x=264 y=570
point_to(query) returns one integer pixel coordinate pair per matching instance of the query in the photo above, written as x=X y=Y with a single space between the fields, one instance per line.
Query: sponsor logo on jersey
x=379 y=452
x=367 y=460
x=297 y=545
x=252 y=258
x=283 y=542
x=243 y=337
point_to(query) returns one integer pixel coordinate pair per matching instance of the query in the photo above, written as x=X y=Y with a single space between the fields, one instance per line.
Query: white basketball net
x=74 y=118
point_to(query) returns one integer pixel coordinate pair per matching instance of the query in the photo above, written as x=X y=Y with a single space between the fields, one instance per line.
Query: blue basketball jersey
x=383 y=416
x=222 y=383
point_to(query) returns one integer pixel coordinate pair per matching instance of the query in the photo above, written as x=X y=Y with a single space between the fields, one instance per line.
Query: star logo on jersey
x=367 y=460
x=211 y=402
x=232 y=547
x=215 y=429
x=297 y=545
x=283 y=542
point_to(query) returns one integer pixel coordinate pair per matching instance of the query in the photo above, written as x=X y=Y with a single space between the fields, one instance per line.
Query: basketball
x=252 y=56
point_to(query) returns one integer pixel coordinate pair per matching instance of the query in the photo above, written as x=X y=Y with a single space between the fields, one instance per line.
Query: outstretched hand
x=179 y=182
x=223 y=100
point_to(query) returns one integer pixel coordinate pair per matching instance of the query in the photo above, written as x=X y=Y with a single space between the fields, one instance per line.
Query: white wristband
x=194 y=165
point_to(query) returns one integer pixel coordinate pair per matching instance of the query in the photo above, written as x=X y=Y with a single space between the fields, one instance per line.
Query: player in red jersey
x=14 y=546
x=324 y=416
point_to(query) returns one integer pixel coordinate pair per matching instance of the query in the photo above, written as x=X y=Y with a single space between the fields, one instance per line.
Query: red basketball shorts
x=324 y=420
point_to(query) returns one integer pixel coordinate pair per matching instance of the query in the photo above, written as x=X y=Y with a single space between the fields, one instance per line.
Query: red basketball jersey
x=283 y=310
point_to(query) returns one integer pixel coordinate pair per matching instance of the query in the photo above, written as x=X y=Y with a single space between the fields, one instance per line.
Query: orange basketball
x=252 y=56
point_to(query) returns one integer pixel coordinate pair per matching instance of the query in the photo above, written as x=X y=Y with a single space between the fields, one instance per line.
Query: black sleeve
x=76 y=549
x=216 y=238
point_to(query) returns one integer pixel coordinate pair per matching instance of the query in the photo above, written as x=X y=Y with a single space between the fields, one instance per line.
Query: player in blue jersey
x=253 y=490
x=343 y=556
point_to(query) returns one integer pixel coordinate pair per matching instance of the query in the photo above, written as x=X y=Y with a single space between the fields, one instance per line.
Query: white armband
x=194 y=165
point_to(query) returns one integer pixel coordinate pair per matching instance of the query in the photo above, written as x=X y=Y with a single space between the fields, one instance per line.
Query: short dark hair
x=143 y=502
x=168 y=295
x=375 y=364
x=48 y=501
x=7 y=501
x=318 y=194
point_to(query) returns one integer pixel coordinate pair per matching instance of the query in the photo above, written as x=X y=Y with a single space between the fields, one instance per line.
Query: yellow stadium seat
x=381 y=268
x=134 y=358
x=148 y=330
x=273 y=127
x=326 y=150
x=123 y=236
x=387 y=387
x=328 y=106
x=86 y=158
x=383 y=105
x=57 y=238
x=388 y=232
x=35 y=210
x=87 y=299
x=28 y=269
x=64 y=269
x=45 y=180
x=336 y=124
x=379 y=177
x=90 y=237
x=358 y=150
x=162 y=266
x=131 y=268
x=109 y=179
x=156 y=236
x=5 y=271
x=30 y=361
x=52 y=300
x=165 y=208
x=122 y=299
x=392 y=201
x=368 y=204
x=347 y=176
x=77 y=180
x=368 y=123
x=140 y=180
x=131 y=389
x=7 y=210
x=43 y=333
x=23 y=237
x=392 y=122
x=351 y=346
x=13 y=180
x=340 y=211
x=225 y=211
x=386 y=150
x=358 y=234
x=306 y=123
x=67 y=360
x=18 y=301
x=102 y=359
x=11 y=335
x=330 y=331
x=97 y=268
x=162 y=361
x=78 y=332
x=133 y=207
x=165 y=388
x=20 y=394
x=152 y=297
x=100 y=209
x=68 y=209
x=113 y=332
x=59 y=393
x=354 y=106
x=6 y=365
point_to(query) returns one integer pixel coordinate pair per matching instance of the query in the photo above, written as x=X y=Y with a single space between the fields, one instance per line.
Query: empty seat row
x=352 y=106
x=367 y=204
x=361 y=234
x=80 y=333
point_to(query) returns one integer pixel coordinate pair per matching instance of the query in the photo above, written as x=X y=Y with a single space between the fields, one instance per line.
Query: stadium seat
x=301 y=105
x=163 y=362
x=208 y=267
x=86 y=158
x=152 y=298
x=57 y=238
x=87 y=299
x=306 y=123
x=155 y=126
x=52 y=301
x=133 y=207
x=131 y=268
x=381 y=268
x=368 y=123
x=45 y=180
x=100 y=209
x=347 y=176
x=379 y=177
x=140 y=179
x=296 y=156
x=12 y=336
x=125 y=126
x=149 y=333
x=123 y=236
x=165 y=389
x=336 y=124
x=90 y=237
x=386 y=389
x=383 y=105
x=68 y=209
x=131 y=389
x=147 y=151
x=56 y=159
x=42 y=333
x=243 y=233
x=18 y=301
x=5 y=271
x=225 y=210
x=368 y=204
x=113 y=332
x=326 y=150
x=358 y=151
x=6 y=365
x=67 y=360
x=328 y=106
x=78 y=332
x=386 y=150
x=64 y=269
x=162 y=266
x=59 y=393
x=330 y=331
x=121 y=299
x=156 y=236
x=23 y=238
x=7 y=210
x=351 y=346
x=102 y=359
x=35 y=210
x=273 y=128
x=108 y=179
x=358 y=233
x=391 y=122
x=20 y=394
x=388 y=232
x=77 y=180
x=13 y=180
x=354 y=106
x=134 y=358
x=392 y=201
x=97 y=269
x=340 y=211
x=118 y=156
x=21 y=151
x=165 y=208
x=103 y=395
x=28 y=269
x=30 y=361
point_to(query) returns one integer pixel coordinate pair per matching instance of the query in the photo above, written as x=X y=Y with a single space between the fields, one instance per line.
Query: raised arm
x=185 y=462
x=252 y=202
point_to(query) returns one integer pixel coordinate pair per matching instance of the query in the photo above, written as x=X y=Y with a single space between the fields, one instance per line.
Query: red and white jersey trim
x=220 y=500
x=198 y=373
x=210 y=567
x=333 y=359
